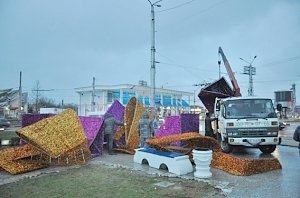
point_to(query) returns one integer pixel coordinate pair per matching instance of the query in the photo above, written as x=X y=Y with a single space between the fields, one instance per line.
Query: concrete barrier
x=176 y=163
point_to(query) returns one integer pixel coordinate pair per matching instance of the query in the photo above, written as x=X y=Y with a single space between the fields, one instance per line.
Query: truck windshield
x=249 y=108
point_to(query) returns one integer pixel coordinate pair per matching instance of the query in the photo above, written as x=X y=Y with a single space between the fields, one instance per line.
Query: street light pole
x=93 y=96
x=152 y=68
x=20 y=96
x=195 y=85
x=250 y=70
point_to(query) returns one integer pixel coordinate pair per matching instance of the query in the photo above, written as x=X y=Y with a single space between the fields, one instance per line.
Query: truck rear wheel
x=267 y=149
x=225 y=147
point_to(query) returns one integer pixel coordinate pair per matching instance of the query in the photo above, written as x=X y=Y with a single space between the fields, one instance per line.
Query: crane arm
x=234 y=83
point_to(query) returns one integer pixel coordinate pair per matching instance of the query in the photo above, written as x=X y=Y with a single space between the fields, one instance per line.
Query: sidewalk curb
x=288 y=145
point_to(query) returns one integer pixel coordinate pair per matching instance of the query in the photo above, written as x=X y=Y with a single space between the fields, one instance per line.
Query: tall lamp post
x=152 y=69
x=195 y=85
x=250 y=70
x=20 y=96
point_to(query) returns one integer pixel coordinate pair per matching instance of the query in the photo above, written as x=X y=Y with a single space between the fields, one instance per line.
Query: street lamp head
x=156 y=3
x=253 y=59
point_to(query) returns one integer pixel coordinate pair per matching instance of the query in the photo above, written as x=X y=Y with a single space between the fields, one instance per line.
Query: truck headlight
x=230 y=134
x=230 y=124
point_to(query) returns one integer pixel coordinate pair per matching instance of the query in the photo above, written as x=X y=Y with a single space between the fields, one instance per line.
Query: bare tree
x=37 y=95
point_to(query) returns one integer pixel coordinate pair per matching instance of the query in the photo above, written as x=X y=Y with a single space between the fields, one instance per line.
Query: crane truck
x=241 y=121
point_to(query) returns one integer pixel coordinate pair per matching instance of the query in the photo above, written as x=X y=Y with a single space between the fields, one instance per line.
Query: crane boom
x=234 y=83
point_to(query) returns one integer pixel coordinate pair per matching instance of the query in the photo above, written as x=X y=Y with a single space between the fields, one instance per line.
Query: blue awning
x=116 y=95
x=147 y=102
x=157 y=100
x=158 y=103
x=184 y=103
x=140 y=99
x=179 y=103
x=127 y=96
x=174 y=103
x=167 y=101
x=125 y=100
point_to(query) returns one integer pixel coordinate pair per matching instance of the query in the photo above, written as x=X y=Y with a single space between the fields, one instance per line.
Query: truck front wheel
x=225 y=147
x=267 y=149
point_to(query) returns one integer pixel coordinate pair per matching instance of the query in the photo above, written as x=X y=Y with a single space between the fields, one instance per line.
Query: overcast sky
x=63 y=44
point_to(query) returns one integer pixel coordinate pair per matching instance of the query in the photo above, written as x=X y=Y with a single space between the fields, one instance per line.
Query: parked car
x=4 y=123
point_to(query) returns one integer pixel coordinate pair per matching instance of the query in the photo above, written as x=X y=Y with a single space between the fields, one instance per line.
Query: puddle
x=164 y=184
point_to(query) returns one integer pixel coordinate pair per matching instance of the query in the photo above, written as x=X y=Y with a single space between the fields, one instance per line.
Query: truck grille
x=252 y=133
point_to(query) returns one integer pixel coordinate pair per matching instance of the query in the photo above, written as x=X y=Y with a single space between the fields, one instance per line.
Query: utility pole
x=37 y=95
x=194 y=101
x=250 y=70
x=20 y=95
x=219 y=63
x=152 y=69
x=294 y=97
x=93 y=95
x=197 y=85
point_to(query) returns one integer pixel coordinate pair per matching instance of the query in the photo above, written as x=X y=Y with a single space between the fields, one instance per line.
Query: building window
x=126 y=96
x=109 y=96
x=116 y=95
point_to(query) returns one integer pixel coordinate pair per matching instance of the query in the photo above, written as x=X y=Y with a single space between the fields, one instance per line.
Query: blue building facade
x=166 y=100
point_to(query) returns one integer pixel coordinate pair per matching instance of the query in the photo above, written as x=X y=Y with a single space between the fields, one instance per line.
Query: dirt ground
x=104 y=181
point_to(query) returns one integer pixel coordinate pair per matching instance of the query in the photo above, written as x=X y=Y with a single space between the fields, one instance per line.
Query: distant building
x=168 y=102
x=285 y=98
x=9 y=103
x=297 y=111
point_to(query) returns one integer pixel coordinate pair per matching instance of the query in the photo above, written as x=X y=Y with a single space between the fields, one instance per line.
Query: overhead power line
x=188 y=69
x=193 y=70
x=281 y=61
x=178 y=6
x=272 y=81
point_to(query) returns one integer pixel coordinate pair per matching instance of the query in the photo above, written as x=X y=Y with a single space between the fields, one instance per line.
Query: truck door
x=217 y=108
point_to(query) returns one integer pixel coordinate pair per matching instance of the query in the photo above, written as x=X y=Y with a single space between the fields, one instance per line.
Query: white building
x=51 y=110
x=168 y=102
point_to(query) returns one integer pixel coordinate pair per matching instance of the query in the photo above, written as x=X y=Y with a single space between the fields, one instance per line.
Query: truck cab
x=246 y=121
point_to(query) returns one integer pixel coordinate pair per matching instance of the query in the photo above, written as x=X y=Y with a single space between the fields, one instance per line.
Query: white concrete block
x=177 y=163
